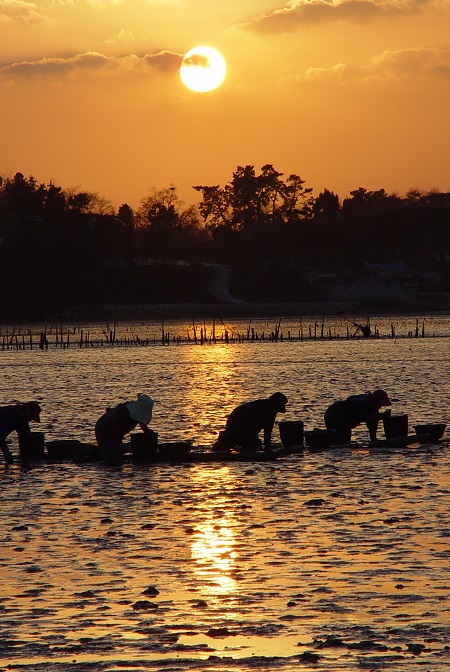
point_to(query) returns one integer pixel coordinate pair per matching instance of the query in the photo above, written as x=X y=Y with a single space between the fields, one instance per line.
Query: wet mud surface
x=339 y=560
x=334 y=560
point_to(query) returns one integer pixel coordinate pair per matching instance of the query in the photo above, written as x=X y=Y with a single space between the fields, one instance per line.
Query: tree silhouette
x=61 y=248
x=167 y=228
x=326 y=204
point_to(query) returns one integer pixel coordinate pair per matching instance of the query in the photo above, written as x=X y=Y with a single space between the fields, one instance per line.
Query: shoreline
x=185 y=311
x=258 y=310
x=114 y=313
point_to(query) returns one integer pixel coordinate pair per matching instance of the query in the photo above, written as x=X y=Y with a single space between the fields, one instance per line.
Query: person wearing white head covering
x=112 y=426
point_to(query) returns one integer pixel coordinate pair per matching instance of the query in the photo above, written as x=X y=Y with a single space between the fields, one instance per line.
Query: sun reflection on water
x=213 y=550
x=213 y=546
x=217 y=384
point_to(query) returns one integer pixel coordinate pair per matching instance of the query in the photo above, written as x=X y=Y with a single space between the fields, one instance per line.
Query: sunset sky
x=346 y=94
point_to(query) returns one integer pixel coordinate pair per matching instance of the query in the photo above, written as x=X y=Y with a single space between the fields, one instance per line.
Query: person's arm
x=268 y=427
x=9 y=459
x=8 y=423
x=372 y=425
x=145 y=428
x=23 y=431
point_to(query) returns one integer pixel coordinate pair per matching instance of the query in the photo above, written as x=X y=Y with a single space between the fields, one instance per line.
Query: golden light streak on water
x=213 y=546
x=234 y=547
x=214 y=555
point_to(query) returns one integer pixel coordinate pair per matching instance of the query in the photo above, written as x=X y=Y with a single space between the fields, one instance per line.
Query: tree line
x=62 y=248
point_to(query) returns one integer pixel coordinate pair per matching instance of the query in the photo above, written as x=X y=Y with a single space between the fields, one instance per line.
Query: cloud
x=106 y=4
x=91 y=63
x=197 y=60
x=429 y=63
x=337 y=71
x=122 y=37
x=19 y=11
x=31 y=12
x=298 y=13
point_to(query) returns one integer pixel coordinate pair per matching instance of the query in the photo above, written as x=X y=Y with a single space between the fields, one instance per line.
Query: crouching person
x=17 y=418
x=246 y=422
x=343 y=416
x=112 y=426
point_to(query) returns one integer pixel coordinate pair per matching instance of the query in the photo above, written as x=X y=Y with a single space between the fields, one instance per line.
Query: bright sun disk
x=202 y=69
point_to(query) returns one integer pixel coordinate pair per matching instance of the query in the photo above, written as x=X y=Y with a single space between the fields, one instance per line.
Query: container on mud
x=63 y=449
x=144 y=446
x=320 y=438
x=291 y=433
x=174 y=450
x=435 y=431
x=32 y=447
x=395 y=425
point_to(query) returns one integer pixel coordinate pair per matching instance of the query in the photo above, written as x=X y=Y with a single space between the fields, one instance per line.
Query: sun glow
x=202 y=69
x=214 y=545
x=214 y=553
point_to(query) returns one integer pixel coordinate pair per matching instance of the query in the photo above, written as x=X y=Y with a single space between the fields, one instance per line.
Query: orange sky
x=346 y=94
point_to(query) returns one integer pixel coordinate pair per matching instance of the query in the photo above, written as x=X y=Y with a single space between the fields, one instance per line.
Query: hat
x=279 y=400
x=381 y=398
x=141 y=410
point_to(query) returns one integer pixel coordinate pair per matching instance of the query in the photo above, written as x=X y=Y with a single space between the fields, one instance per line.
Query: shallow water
x=337 y=560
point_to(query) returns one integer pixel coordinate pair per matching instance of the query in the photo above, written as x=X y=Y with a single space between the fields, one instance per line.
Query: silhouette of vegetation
x=63 y=249
x=252 y=216
x=166 y=230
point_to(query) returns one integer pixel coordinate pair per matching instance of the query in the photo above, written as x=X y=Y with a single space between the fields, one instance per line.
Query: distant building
x=442 y=257
x=386 y=283
x=374 y=290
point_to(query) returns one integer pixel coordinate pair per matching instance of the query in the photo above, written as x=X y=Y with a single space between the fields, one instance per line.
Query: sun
x=202 y=69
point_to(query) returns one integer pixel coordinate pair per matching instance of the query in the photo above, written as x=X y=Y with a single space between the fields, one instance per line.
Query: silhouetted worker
x=17 y=418
x=363 y=328
x=246 y=422
x=112 y=426
x=343 y=416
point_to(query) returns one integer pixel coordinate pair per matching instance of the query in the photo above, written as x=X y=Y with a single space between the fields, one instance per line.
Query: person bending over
x=343 y=416
x=17 y=418
x=112 y=426
x=247 y=420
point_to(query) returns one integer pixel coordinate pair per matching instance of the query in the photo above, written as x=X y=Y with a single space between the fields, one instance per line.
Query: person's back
x=343 y=416
x=357 y=409
x=251 y=416
x=16 y=418
x=246 y=421
x=112 y=426
x=9 y=418
x=116 y=421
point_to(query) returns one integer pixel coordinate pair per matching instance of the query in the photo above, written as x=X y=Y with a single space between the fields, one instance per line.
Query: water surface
x=337 y=560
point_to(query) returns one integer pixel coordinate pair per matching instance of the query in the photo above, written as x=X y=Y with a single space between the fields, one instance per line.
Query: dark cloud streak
x=298 y=13
x=92 y=62
x=197 y=60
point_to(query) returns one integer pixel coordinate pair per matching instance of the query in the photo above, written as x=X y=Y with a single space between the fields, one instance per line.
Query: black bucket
x=395 y=425
x=291 y=433
x=144 y=446
x=32 y=447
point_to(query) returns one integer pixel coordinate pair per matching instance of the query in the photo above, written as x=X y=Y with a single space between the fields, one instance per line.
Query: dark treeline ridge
x=65 y=249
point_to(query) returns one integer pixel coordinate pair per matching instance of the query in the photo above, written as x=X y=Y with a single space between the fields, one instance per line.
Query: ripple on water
x=337 y=559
